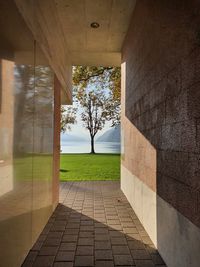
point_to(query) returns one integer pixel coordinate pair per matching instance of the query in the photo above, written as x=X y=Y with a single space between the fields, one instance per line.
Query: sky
x=78 y=128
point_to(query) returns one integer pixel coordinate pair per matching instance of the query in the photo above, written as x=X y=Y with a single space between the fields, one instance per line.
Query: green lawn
x=33 y=166
x=77 y=167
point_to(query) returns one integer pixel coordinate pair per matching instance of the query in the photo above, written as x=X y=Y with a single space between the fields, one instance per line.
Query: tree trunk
x=92 y=145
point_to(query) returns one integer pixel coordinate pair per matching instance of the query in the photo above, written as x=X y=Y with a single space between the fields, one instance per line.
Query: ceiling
x=72 y=20
x=76 y=17
x=113 y=16
x=63 y=30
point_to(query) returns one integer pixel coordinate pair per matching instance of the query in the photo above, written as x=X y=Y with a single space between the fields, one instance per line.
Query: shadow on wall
x=160 y=124
x=143 y=182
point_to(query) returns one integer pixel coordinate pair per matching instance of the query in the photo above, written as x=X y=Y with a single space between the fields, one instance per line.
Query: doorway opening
x=90 y=127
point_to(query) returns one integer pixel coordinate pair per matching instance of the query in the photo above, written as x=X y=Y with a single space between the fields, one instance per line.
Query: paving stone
x=72 y=231
x=133 y=237
x=44 y=261
x=60 y=223
x=140 y=254
x=101 y=237
x=128 y=224
x=28 y=262
x=87 y=223
x=113 y=222
x=74 y=220
x=57 y=228
x=101 y=231
x=86 y=234
x=86 y=241
x=115 y=233
x=130 y=230
x=136 y=244
x=73 y=226
x=117 y=250
x=116 y=227
x=104 y=264
x=103 y=255
x=87 y=228
x=42 y=238
x=52 y=242
x=112 y=217
x=123 y=260
x=65 y=256
x=69 y=238
x=56 y=235
x=94 y=222
x=125 y=219
x=48 y=251
x=146 y=240
x=37 y=246
x=144 y=263
x=63 y=264
x=85 y=250
x=99 y=225
x=84 y=261
x=102 y=245
x=68 y=246
x=118 y=241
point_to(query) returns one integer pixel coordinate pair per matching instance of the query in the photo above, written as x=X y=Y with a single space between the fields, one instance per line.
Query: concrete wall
x=26 y=139
x=160 y=125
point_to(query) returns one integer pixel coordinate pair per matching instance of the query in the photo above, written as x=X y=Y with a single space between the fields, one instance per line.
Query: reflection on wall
x=33 y=101
x=6 y=127
x=26 y=137
x=26 y=152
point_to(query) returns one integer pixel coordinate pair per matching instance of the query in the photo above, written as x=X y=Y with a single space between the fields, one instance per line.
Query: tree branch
x=96 y=74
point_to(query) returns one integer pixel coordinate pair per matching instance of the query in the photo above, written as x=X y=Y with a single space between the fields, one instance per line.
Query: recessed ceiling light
x=94 y=25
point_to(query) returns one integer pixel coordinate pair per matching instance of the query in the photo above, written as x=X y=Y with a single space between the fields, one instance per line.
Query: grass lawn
x=33 y=166
x=77 y=167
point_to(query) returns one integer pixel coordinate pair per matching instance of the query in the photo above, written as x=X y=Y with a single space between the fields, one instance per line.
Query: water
x=84 y=147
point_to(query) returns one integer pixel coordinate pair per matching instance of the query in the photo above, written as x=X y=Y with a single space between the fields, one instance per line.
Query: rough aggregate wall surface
x=162 y=55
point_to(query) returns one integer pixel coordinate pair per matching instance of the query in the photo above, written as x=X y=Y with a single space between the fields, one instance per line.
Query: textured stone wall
x=162 y=97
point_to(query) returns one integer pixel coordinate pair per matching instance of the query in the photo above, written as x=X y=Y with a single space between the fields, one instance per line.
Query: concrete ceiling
x=72 y=18
x=62 y=29
x=100 y=46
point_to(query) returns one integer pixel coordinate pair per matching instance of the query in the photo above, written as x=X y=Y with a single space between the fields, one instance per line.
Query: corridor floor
x=93 y=225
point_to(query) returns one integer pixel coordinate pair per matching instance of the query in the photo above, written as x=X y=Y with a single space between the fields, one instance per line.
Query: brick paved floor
x=93 y=225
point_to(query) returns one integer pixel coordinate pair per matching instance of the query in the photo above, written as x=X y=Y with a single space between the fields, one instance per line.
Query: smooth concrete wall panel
x=26 y=138
x=142 y=200
x=15 y=169
x=43 y=147
x=179 y=239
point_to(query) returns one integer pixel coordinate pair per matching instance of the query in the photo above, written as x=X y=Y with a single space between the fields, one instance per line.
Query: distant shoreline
x=84 y=147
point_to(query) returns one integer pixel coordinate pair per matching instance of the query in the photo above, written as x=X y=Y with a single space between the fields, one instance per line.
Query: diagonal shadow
x=74 y=238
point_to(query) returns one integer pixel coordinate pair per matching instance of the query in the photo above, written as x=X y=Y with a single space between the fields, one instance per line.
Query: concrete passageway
x=94 y=225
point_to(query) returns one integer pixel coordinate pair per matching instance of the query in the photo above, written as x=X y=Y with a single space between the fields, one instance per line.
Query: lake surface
x=84 y=147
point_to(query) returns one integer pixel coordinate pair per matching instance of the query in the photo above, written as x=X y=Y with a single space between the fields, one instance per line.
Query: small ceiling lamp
x=94 y=25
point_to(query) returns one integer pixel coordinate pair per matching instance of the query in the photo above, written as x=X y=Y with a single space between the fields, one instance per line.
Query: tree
x=33 y=102
x=106 y=78
x=99 y=105
x=68 y=118
x=94 y=111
